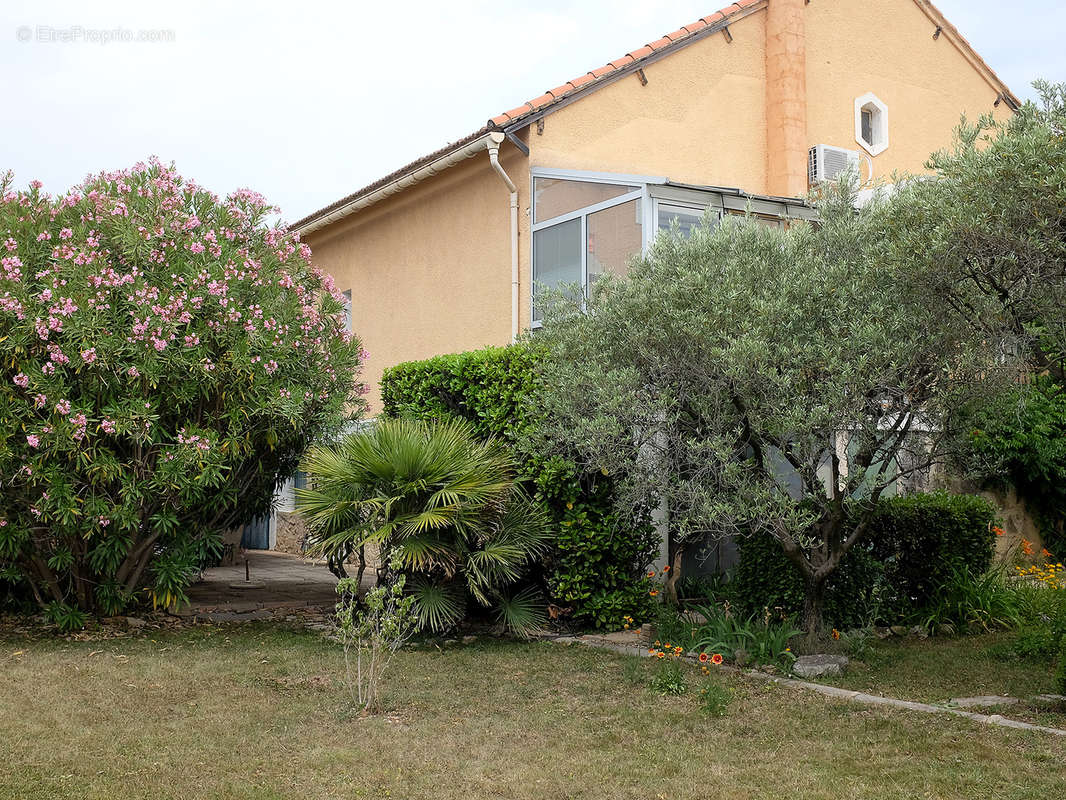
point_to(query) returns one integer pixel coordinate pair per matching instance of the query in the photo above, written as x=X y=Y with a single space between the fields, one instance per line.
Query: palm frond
x=522 y=613
x=439 y=606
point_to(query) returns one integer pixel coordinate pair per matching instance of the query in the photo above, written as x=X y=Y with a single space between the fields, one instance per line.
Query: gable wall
x=429 y=268
x=887 y=47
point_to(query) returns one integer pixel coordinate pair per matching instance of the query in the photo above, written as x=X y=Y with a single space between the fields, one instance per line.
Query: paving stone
x=820 y=666
x=1050 y=698
x=984 y=701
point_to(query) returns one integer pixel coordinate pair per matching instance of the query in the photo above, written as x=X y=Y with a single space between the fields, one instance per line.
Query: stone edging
x=830 y=691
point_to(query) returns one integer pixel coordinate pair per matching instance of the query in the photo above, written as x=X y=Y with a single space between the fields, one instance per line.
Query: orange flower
x=654 y=593
x=660 y=654
x=1027 y=547
x=836 y=633
x=997 y=530
x=704 y=658
x=651 y=573
x=651 y=651
x=666 y=568
x=1046 y=553
x=716 y=659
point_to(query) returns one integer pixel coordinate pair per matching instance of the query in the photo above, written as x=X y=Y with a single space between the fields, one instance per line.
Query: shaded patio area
x=280 y=584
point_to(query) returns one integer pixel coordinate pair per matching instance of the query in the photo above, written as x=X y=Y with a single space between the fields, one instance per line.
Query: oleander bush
x=165 y=358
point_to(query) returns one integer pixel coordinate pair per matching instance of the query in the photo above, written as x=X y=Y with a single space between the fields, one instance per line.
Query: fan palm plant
x=441 y=503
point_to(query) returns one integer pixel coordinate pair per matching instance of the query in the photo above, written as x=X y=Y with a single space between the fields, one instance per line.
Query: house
x=743 y=108
x=737 y=112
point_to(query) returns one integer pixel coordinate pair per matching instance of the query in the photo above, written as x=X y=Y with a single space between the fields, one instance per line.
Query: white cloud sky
x=306 y=102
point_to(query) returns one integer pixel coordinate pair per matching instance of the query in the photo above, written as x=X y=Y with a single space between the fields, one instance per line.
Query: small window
x=554 y=197
x=871 y=124
x=614 y=236
x=688 y=218
x=556 y=260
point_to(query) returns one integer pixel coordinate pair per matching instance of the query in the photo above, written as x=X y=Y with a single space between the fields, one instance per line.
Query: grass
x=937 y=669
x=256 y=712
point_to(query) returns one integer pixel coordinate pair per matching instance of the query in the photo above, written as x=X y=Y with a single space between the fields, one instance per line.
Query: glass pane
x=867 y=119
x=556 y=259
x=614 y=236
x=687 y=218
x=553 y=197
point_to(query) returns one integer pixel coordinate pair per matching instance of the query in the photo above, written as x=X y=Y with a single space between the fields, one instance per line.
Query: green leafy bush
x=597 y=566
x=1020 y=440
x=764 y=578
x=754 y=640
x=165 y=357
x=967 y=602
x=714 y=698
x=669 y=678
x=918 y=544
x=442 y=505
x=1060 y=672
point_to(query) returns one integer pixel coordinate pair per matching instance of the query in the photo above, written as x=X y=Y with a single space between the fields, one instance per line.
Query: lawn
x=937 y=669
x=257 y=712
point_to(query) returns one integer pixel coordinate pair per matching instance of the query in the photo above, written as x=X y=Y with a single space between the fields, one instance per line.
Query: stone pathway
x=282 y=586
x=632 y=643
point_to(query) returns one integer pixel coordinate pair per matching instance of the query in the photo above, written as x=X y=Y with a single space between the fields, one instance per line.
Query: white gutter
x=494 y=159
x=408 y=180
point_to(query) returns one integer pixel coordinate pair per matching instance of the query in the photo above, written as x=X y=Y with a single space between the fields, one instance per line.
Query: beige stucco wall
x=429 y=268
x=887 y=47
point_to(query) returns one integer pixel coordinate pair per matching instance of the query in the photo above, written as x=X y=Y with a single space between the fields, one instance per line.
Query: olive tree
x=987 y=234
x=756 y=379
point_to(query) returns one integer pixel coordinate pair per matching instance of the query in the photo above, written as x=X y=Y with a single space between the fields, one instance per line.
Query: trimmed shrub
x=916 y=544
x=922 y=540
x=765 y=578
x=597 y=567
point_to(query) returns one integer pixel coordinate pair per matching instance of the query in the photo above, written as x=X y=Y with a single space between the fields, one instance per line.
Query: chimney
x=786 y=98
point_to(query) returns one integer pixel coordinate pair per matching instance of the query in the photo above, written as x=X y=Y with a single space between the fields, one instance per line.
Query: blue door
x=256 y=535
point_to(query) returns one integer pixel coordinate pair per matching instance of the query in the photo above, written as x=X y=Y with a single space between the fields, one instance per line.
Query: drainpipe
x=494 y=142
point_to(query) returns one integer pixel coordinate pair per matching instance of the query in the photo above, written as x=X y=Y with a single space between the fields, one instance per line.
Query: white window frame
x=878 y=123
x=652 y=192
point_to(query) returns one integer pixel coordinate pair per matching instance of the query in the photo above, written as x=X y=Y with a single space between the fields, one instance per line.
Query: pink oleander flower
x=88 y=356
x=33 y=440
x=40 y=400
x=107 y=425
x=22 y=380
x=63 y=407
x=133 y=372
x=66 y=233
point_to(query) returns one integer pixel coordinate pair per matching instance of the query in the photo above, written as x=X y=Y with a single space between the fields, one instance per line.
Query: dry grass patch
x=256 y=712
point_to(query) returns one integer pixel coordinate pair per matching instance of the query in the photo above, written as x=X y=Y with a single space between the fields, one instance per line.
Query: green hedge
x=915 y=544
x=598 y=565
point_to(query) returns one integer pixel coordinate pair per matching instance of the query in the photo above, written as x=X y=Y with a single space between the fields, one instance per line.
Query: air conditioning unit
x=826 y=163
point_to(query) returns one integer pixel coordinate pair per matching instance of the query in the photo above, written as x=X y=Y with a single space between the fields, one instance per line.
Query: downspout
x=494 y=142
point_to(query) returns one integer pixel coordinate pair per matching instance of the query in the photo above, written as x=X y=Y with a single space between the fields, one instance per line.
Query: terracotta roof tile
x=646 y=50
x=577 y=83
